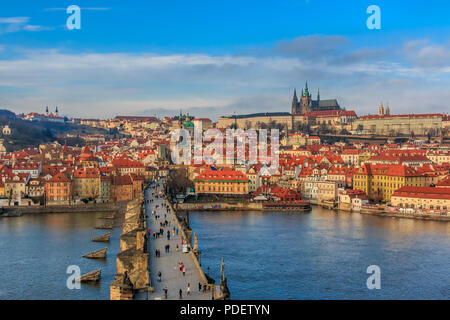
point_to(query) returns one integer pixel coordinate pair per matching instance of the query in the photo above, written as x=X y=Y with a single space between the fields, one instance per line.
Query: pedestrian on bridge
x=188 y=289
x=168 y=235
x=181 y=294
x=165 y=292
x=199 y=287
x=159 y=276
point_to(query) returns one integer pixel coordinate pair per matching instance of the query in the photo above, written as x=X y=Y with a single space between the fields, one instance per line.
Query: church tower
x=46 y=111
x=388 y=110
x=305 y=101
x=294 y=103
x=56 y=112
x=381 y=110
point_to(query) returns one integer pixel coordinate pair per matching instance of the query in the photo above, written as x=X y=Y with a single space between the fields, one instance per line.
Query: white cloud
x=14 y=20
x=16 y=24
x=101 y=85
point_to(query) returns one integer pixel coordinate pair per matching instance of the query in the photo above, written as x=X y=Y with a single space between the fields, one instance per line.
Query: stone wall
x=132 y=262
x=100 y=207
x=251 y=206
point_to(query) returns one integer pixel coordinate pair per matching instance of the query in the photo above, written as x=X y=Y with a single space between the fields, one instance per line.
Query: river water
x=320 y=255
x=323 y=255
x=35 y=251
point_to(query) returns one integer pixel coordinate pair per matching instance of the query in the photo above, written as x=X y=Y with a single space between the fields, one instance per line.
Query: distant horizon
x=165 y=113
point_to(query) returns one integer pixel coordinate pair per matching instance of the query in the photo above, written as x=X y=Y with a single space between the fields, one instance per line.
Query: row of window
x=412 y=206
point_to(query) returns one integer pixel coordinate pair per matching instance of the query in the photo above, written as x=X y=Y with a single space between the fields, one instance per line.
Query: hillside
x=30 y=134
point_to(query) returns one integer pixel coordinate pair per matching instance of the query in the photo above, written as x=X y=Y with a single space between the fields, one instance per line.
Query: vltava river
x=319 y=255
x=35 y=251
x=323 y=255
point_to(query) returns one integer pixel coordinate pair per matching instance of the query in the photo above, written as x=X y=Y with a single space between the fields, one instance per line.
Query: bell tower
x=381 y=109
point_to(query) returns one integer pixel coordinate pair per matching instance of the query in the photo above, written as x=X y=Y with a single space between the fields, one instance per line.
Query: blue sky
x=216 y=57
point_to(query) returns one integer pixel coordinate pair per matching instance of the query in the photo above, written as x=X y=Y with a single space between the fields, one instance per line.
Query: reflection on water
x=323 y=255
x=35 y=251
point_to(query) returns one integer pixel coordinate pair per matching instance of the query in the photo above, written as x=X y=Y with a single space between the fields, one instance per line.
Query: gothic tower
x=305 y=101
x=295 y=103
x=56 y=112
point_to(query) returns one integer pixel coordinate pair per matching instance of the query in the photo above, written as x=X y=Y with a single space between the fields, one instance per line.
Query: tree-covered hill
x=32 y=133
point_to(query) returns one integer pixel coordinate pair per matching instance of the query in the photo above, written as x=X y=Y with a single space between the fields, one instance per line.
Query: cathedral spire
x=318 y=94
x=306 y=89
x=294 y=102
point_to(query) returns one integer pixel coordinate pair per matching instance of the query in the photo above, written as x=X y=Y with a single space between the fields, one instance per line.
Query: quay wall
x=343 y=207
x=101 y=207
x=252 y=206
x=418 y=216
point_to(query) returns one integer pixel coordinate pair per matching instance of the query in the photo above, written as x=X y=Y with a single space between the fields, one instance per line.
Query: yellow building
x=224 y=182
x=16 y=186
x=86 y=183
x=379 y=182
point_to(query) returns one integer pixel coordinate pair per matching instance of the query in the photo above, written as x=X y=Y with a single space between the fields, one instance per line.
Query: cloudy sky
x=222 y=57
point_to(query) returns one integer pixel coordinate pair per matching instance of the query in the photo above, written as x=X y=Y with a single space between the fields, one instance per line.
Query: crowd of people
x=167 y=225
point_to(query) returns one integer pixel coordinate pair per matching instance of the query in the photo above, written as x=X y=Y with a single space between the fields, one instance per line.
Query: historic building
x=255 y=120
x=86 y=183
x=427 y=198
x=303 y=110
x=58 y=190
x=306 y=105
x=224 y=182
x=384 y=123
x=380 y=181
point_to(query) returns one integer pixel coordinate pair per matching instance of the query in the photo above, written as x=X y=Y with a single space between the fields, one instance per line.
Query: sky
x=213 y=58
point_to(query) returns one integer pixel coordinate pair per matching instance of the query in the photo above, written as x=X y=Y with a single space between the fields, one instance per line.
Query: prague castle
x=306 y=104
x=304 y=110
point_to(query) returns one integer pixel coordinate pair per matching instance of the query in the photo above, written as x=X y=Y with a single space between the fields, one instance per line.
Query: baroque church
x=306 y=104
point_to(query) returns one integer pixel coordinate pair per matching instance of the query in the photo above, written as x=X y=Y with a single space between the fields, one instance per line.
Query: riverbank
x=417 y=216
x=382 y=212
x=100 y=207
x=223 y=207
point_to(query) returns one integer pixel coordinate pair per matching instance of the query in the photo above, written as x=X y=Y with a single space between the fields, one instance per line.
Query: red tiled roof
x=423 y=192
x=228 y=174
x=86 y=173
x=59 y=177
